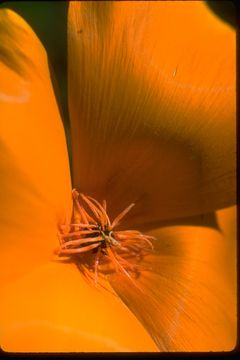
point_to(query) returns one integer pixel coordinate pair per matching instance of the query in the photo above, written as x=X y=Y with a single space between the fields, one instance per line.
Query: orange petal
x=35 y=181
x=152 y=106
x=186 y=301
x=227 y=219
x=54 y=309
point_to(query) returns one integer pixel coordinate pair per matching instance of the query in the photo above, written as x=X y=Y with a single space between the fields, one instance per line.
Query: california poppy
x=152 y=110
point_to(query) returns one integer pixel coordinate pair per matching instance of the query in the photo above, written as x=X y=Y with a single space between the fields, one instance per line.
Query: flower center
x=91 y=240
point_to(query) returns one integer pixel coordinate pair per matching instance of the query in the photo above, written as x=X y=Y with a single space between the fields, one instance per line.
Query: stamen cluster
x=92 y=233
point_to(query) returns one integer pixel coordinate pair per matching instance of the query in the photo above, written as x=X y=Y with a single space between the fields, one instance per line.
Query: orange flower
x=152 y=108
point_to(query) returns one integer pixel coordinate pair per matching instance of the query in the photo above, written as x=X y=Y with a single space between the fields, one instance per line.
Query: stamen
x=91 y=206
x=105 y=205
x=120 y=216
x=75 y=233
x=81 y=241
x=102 y=210
x=79 y=225
x=85 y=216
x=78 y=251
x=92 y=241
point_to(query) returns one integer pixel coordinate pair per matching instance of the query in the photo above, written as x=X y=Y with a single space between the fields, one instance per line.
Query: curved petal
x=46 y=307
x=227 y=219
x=35 y=186
x=54 y=309
x=152 y=106
x=183 y=297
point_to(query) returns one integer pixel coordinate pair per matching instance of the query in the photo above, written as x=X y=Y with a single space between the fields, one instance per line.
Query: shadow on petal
x=184 y=298
x=152 y=115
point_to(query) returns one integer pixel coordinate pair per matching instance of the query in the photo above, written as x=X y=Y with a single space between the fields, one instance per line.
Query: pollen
x=93 y=242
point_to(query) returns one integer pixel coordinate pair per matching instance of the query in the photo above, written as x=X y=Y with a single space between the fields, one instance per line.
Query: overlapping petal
x=35 y=179
x=152 y=107
x=153 y=122
x=185 y=298
x=227 y=219
x=47 y=305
